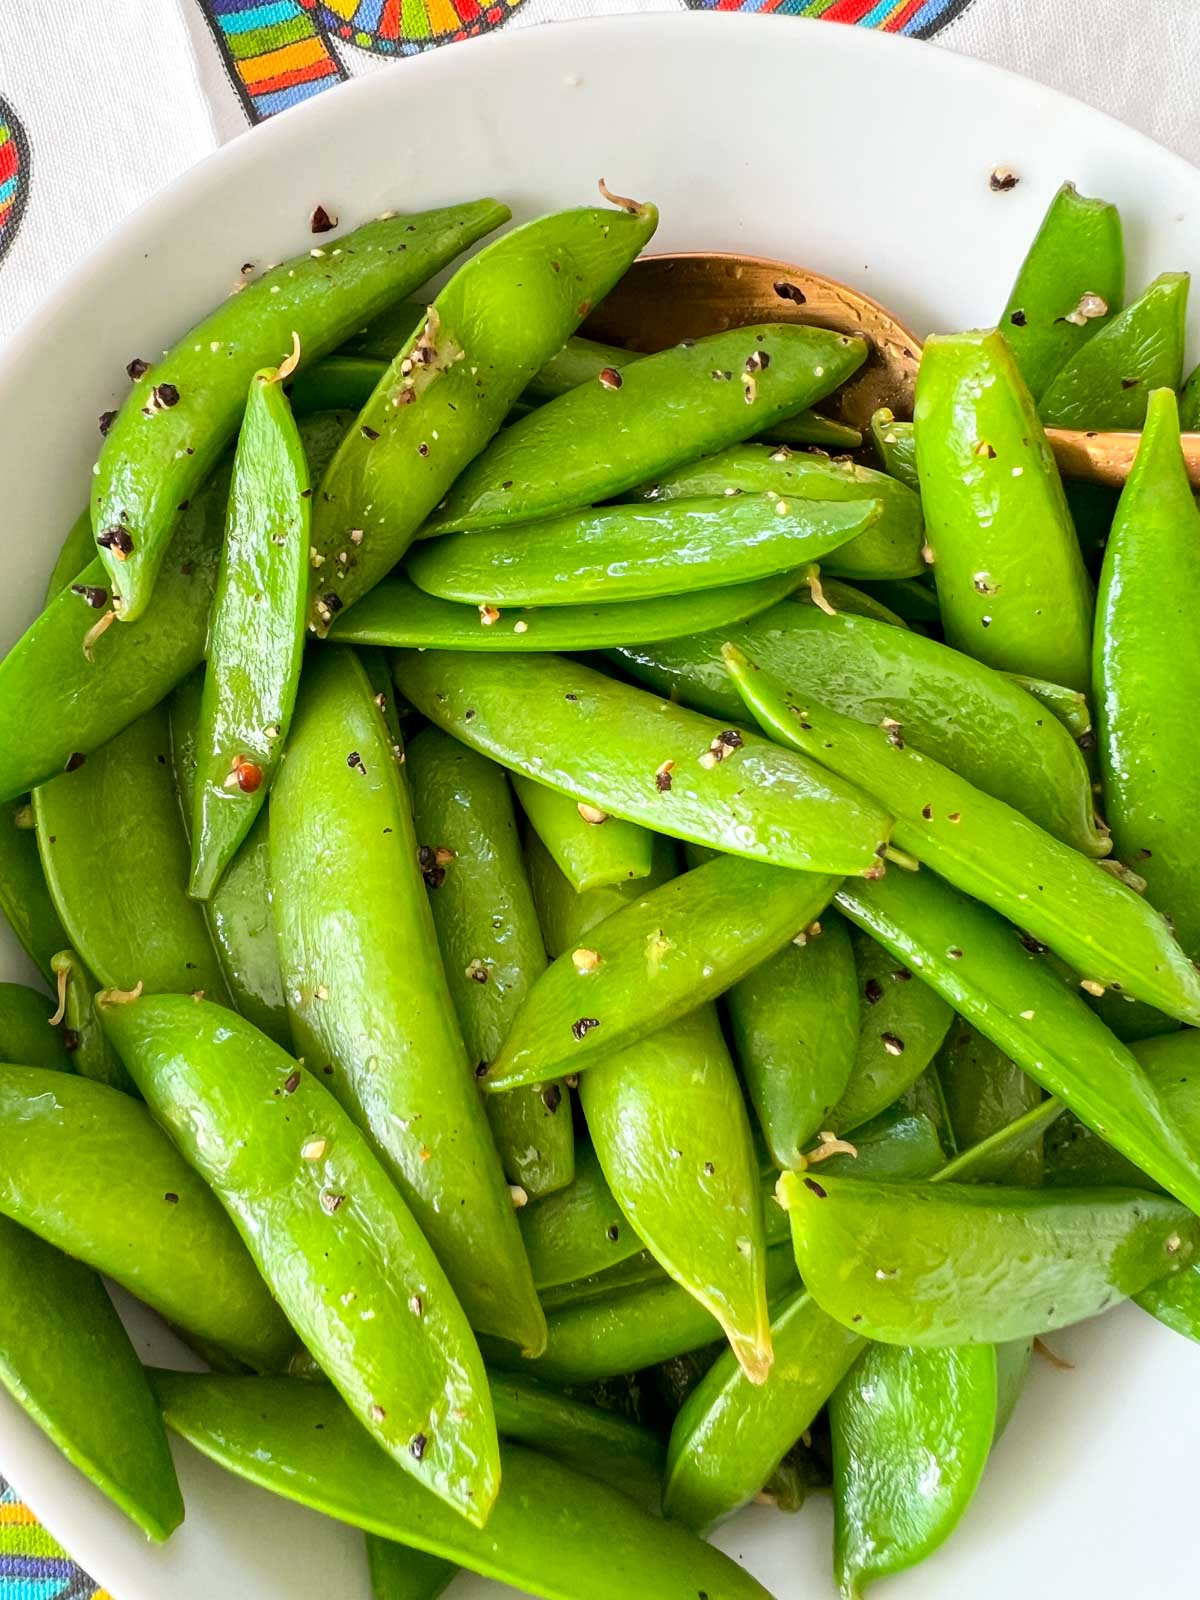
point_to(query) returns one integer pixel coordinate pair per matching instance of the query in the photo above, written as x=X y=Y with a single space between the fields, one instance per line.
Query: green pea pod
x=636 y=552
x=565 y=915
x=339 y=382
x=1149 y=587
x=239 y=909
x=578 y=1231
x=368 y=995
x=951 y=708
x=1011 y=584
x=984 y=1091
x=592 y=849
x=91 y=1055
x=256 y=636
x=597 y=1442
x=1071 y=280
x=67 y=1361
x=327 y=1231
x=651 y=963
x=1093 y=920
x=129 y=670
x=896 y=446
x=29 y=1031
x=1189 y=401
x=1108 y=382
x=25 y=901
x=889 y=548
x=901 y=1023
x=912 y=599
x=918 y=1265
x=1175 y=1301
x=858 y=602
x=811 y=427
x=681 y=1163
x=502 y=314
x=1068 y=705
x=115 y=857
x=77 y=553
x=87 y=1170
x=490 y=942
x=930 y=1415
x=552 y=1531
x=925 y=1098
x=400 y=1573
x=606 y=437
x=184 y=409
x=794 y=1022
x=983 y=967
x=397 y=613
x=638 y=758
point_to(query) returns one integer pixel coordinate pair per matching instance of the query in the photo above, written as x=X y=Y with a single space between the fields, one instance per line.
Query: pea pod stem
x=1093 y=921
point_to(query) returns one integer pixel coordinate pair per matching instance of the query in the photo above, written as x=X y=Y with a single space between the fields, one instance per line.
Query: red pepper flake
x=552 y=1097
x=610 y=378
x=137 y=368
x=321 y=221
x=95 y=596
x=811 y=1183
x=245 y=775
x=582 y=1026
x=792 y=292
x=117 y=539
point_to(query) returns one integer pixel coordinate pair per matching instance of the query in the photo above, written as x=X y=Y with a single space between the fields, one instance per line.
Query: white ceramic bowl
x=864 y=156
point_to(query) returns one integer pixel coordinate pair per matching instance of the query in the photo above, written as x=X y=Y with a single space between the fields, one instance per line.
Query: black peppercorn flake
x=292 y=1082
x=582 y=1026
x=1018 y=319
x=71 y=1040
x=171 y=1198
x=74 y=761
x=165 y=394
x=792 y=292
x=370 y=434
x=356 y=763
x=137 y=368
x=417 y=1445
x=873 y=990
x=811 y=1183
x=332 y=602
x=106 y=420
x=321 y=221
x=117 y=539
x=613 y=1232
x=552 y=1097
x=95 y=596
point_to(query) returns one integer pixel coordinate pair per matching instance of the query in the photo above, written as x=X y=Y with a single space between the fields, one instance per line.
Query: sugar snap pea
x=578 y=1231
x=1011 y=584
x=67 y=1361
x=954 y=709
x=552 y=1531
x=914 y=600
x=25 y=901
x=396 y=612
x=565 y=915
x=256 y=635
x=239 y=908
x=599 y=440
x=1071 y=280
x=183 y=410
x=447 y=390
x=896 y=447
x=1107 y=383
x=1147 y=669
x=857 y=601
x=889 y=548
x=912 y=1431
x=652 y=962
x=597 y=1442
x=901 y=1023
x=489 y=939
x=115 y=855
x=985 y=1091
x=339 y=382
x=368 y=995
x=993 y=977
x=123 y=1200
x=327 y=1231
x=78 y=552
x=918 y=1264
x=636 y=552
x=591 y=848
x=1094 y=921
x=637 y=757
x=794 y=1021
x=91 y=1055
x=400 y=1573
x=1070 y=706
x=29 y=1031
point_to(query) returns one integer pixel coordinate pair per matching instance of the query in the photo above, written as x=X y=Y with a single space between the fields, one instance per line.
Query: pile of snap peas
x=601 y=962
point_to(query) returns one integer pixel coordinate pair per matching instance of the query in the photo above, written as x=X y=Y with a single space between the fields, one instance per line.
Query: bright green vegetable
x=592 y=849
x=637 y=757
x=184 y=409
x=1092 y=920
x=446 y=392
x=29 y=1031
x=400 y=1573
x=91 y=1055
x=368 y=995
x=986 y=1091
x=25 y=899
x=794 y=1021
x=328 y=1232
x=1071 y=280
x=604 y=438
x=86 y=1168
x=1108 y=382
x=1011 y=584
x=551 y=1531
x=490 y=942
x=256 y=636
x=896 y=446
x=662 y=956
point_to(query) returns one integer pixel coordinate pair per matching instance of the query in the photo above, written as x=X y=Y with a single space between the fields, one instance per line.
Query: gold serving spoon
x=663 y=299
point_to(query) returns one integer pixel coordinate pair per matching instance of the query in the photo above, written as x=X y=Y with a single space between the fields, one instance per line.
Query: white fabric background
x=119 y=96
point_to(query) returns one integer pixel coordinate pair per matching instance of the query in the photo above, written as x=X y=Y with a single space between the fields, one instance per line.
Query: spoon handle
x=1107 y=457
